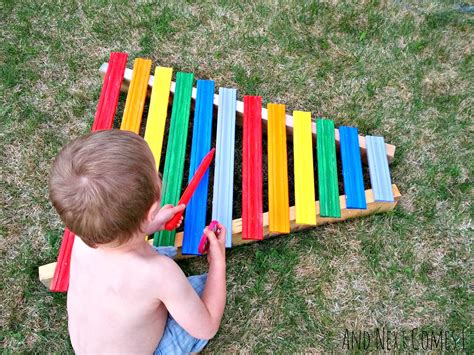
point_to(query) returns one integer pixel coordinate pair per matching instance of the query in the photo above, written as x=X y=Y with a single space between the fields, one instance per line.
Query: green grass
x=403 y=71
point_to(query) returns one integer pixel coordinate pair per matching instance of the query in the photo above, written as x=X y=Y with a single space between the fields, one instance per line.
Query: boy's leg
x=167 y=251
x=175 y=339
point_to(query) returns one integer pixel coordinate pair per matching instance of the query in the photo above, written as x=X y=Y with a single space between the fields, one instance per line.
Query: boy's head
x=103 y=185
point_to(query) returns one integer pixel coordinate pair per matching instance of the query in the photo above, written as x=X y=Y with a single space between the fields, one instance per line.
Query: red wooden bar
x=60 y=280
x=252 y=185
x=104 y=116
x=104 y=119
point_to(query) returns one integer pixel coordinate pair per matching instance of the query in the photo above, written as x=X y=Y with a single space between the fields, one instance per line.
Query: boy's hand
x=216 y=250
x=166 y=213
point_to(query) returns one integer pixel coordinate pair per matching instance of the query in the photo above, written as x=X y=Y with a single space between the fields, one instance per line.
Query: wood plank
x=252 y=180
x=304 y=171
x=195 y=217
x=109 y=95
x=132 y=114
x=352 y=168
x=278 y=195
x=191 y=188
x=46 y=271
x=156 y=121
x=60 y=282
x=289 y=120
x=103 y=119
x=378 y=169
x=176 y=150
x=224 y=169
x=327 y=169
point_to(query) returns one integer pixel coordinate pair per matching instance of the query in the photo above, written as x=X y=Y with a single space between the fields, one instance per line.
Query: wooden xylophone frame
x=46 y=272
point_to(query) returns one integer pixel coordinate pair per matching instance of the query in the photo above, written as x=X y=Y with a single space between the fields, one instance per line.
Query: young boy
x=123 y=296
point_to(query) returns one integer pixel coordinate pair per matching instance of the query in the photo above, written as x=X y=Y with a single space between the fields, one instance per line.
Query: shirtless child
x=123 y=296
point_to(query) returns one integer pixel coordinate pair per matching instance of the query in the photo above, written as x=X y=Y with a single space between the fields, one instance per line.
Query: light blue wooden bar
x=195 y=215
x=224 y=160
x=378 y=169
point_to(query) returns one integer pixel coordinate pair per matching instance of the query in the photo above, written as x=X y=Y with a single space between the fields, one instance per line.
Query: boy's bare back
x=121 y=290
x=113 y=299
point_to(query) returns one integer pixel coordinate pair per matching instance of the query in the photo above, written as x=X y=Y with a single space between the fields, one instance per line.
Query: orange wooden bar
x=278 y=211
x=132 y=115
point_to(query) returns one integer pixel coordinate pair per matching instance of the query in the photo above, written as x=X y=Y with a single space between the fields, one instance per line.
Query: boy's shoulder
x=150 y=263
x=143 y=265
x=158 y=263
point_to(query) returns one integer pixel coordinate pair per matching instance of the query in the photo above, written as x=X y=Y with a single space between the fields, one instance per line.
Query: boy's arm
x=200 y=317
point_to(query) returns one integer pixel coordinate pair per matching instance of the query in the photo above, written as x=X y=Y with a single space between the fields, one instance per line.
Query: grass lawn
x=403 y=71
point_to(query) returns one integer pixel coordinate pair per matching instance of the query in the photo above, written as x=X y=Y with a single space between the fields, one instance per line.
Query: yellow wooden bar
x=156 y=121
x=304 y=171
x=278 y=202
x=132 y=115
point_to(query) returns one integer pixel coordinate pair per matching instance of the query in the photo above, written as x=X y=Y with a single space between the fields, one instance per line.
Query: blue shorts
x=175 y=339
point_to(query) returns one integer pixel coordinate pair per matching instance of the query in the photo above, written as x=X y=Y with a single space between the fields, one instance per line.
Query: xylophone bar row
x=252 y=160
x=239 y=108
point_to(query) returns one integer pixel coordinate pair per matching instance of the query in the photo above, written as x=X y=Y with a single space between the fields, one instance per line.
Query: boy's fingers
x=210 y=235
x=179 y=208
x=222 y=232
x=172 y=210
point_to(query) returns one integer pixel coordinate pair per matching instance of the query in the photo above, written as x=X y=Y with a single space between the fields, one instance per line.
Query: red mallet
x=193 y=184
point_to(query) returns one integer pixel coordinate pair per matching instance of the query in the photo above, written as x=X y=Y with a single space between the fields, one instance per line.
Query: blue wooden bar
x=195 y=217
x=352 y=168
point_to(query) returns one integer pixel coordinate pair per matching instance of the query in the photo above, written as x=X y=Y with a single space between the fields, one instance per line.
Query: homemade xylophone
x=255 y=224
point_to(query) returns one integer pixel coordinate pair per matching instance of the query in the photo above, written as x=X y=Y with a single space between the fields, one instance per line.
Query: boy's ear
x=153 y=211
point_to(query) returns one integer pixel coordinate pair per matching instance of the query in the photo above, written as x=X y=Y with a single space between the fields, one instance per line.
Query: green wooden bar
x=176 y=150
x=327 y=169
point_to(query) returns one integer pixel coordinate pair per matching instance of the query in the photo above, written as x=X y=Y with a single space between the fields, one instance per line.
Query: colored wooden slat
x=378 y=169
x=109 y=95
x=191 y=188
x=176 y=150
x=104 y=118
x=156 y=121
x=224 y=168
x=195 y=218
x=278 y=200
x=132 y=114
x=304 y=171
x=327 y=169
x=352 y=168
x=60 y=282
x=252 y=195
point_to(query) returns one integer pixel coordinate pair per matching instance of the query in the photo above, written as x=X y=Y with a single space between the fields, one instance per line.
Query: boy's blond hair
x=103 y=184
